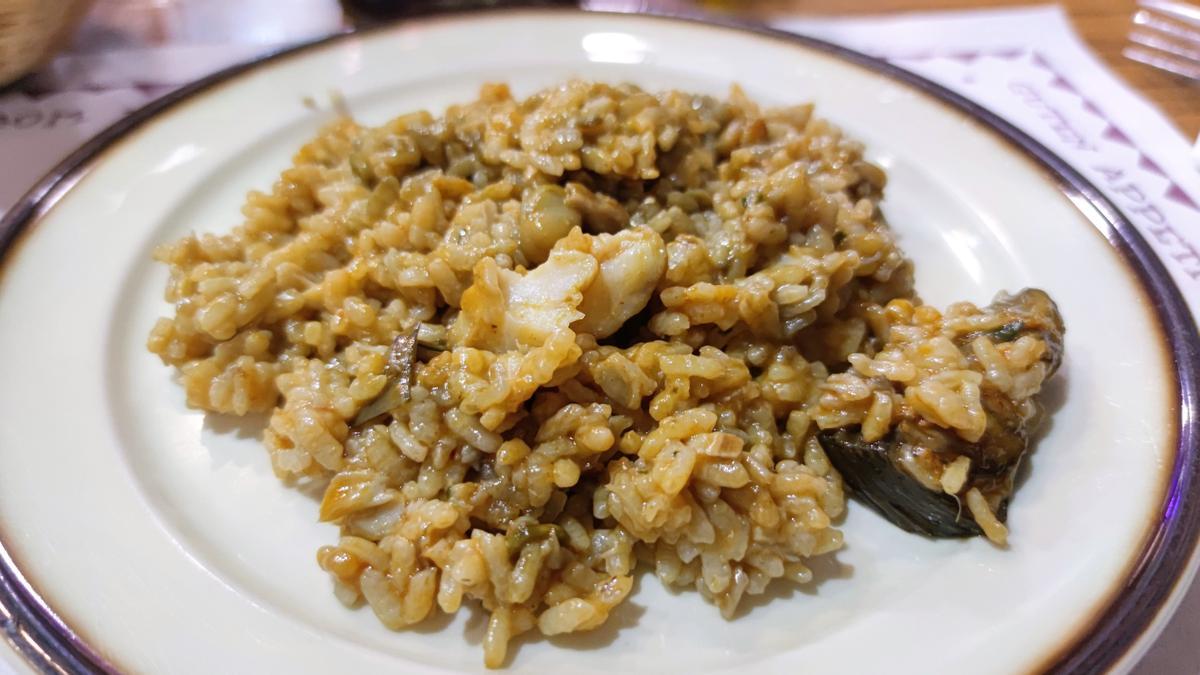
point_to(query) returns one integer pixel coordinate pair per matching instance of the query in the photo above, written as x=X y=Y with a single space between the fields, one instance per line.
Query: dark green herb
x=384 y=195
x=527 y=530
x=432 y=337
x=392 y=397
x=398 y=390
x=1008 y=332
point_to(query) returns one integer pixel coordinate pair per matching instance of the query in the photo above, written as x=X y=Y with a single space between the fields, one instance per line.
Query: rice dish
x=533 y=344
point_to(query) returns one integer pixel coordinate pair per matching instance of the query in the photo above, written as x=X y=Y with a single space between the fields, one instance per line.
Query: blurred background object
x=389 y=9
x=32 y=30
x=132 y=24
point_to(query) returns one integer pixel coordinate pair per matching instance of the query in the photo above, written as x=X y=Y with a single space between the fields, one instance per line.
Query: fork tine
x=1164 y=45
x=1164 y=36
x=1180 y=11
x=1163 y=62
x=1147 y=20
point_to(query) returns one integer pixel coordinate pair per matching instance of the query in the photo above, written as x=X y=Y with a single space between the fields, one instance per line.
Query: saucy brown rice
x=533 y=343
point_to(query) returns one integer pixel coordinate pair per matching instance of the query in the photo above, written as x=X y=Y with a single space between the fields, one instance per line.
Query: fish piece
x=508 y=311
x=631 y=263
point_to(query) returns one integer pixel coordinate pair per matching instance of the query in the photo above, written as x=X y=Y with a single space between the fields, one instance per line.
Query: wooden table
x=1103 y=24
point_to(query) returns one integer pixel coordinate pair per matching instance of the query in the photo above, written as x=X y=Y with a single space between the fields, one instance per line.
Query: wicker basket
x=32 y=30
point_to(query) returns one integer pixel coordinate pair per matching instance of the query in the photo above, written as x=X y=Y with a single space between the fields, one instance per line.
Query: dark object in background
x=381 y=10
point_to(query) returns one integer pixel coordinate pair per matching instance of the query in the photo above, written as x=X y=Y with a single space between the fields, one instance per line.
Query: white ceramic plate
x=142 y=536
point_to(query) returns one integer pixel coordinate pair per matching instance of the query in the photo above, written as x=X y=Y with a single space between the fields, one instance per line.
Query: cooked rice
x=639 y=299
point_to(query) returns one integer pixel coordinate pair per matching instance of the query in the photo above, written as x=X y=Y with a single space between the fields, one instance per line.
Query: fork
x=1166 y=35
